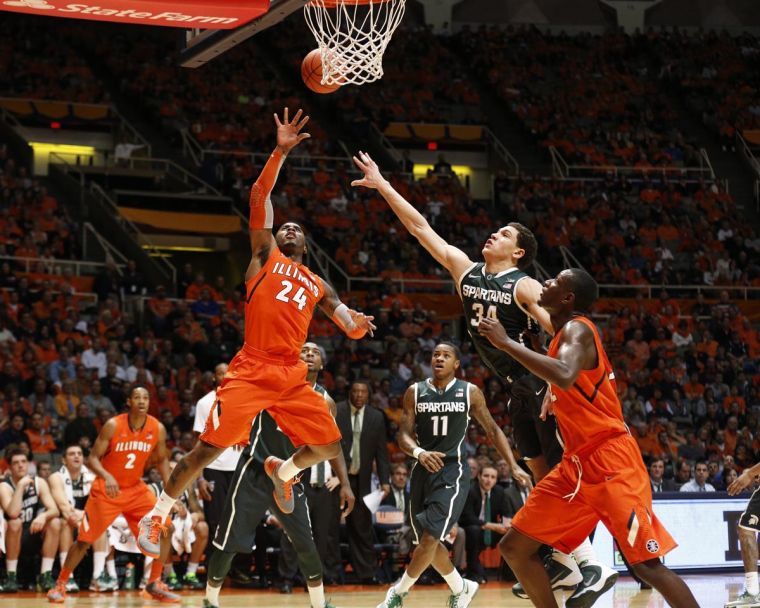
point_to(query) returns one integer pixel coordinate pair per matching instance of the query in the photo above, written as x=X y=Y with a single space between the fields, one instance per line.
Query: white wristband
x=416 y=452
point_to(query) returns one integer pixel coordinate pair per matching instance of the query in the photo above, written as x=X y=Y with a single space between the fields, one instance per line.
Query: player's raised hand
x=432 y=461
x=372 y=176
x=494 y=331
x=363 y=321
x=740 y=483
x=347 y=500
x=289 y=131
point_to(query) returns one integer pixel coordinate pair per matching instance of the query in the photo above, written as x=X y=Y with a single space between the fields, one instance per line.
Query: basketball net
x=352 y=36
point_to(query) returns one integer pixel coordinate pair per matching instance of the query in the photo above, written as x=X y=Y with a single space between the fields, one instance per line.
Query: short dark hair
x=452 y=346
x=584 y=287
x=364 y=382
x=526 y=240
x=136 y=386
x=72 y=445
x=13 y=452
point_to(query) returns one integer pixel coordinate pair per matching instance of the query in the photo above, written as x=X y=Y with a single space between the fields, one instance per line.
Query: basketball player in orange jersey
x=118 y=458
x=267 y=372
x=601 y=476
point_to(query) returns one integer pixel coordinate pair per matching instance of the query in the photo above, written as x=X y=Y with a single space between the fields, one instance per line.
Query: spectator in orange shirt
x=40 y=440
x=195 y=288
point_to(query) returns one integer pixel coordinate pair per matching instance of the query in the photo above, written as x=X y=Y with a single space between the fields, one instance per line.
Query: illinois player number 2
x=130 y=464
x=299 y=297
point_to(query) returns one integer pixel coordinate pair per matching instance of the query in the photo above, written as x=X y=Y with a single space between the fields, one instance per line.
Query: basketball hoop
x=352 y=36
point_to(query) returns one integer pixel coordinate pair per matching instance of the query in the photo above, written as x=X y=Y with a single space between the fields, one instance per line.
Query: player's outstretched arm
x=577 y=351
x=495 y=435
x=432 y=461
x=98 y=451
x=746 y=479
x=262 y=214
x=354 y=324
x=528 y=293
x=452 y=259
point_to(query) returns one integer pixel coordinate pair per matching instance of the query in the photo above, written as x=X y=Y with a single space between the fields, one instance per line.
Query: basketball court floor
x=711 y=592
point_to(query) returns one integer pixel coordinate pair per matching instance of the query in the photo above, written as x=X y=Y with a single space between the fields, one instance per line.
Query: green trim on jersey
x=442 y=416
x=486 y=295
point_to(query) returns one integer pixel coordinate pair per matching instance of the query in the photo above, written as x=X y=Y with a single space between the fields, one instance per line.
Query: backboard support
x=201 y=46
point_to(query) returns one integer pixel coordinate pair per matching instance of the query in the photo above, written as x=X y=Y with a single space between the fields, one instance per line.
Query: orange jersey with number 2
x=128 y=451
x=280 y=302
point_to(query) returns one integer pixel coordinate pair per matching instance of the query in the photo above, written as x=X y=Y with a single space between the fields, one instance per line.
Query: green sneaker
x=329 y=604
x=45 y=582
x=207 y=604
x=11 y=583
x=104 y=583
x=191 y=581
x=393 y=599
x=71 y=586
x=745 y=600
x=173 y=583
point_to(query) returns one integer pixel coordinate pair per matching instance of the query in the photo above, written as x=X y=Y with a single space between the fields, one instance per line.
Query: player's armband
x=342 y=318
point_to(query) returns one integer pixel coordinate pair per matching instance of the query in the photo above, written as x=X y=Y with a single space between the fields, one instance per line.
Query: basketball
x=311 y=72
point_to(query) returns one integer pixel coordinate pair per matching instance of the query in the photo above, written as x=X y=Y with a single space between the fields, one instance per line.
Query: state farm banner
x=189 y=14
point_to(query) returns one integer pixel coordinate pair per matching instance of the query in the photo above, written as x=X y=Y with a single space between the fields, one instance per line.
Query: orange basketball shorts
x=255 y=382
x=614 y=489
x=133 y=502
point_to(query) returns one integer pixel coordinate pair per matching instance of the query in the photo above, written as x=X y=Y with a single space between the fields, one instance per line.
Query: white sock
x=47 y=564
x=288 y=470
x=98 y=562
x=11 y=565
x=405 y=583
x=62 y=557
x=750 y=582
x=111 y=567
x=317 y=596
x=146 y=568
x=212 y=594
x=163 y=506
x=454 y=580
x=584 y=553
x=192 y=567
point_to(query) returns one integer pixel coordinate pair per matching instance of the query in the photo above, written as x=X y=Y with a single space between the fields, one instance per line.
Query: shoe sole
x=164 y=600
x=589 y=599
x=56 y=600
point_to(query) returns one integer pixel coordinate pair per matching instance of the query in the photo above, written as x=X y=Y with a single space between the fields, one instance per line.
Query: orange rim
x=337 y=3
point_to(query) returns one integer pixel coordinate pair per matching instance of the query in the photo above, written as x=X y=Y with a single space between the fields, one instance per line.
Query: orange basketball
x=311 y=72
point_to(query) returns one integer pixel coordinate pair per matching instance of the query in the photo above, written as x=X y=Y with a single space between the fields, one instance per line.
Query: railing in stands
x=756 y=191
x=502 y=151
x=297 y=161
x=55 y=266
x=89 y=233
x=191 y=147
x=386 y=143
x=650 y=291
x=165 y=165
x=87 y=298
x=704 y=172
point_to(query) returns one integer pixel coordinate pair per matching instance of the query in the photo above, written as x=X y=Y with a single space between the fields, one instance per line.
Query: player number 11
x=444 y=425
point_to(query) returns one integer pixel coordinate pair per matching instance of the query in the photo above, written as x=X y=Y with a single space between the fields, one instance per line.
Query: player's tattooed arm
x=354 y=324
x=528 y=293
x=163 y=454
x=451 y=258
x=98 y=451
x=495 y=435
x=577 y=351
x=261 y=216
x=432 y=461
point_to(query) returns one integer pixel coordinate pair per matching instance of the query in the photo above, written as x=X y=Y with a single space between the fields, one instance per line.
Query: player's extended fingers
x=277 y=120
x=285 y=116
x=297 y=117
x=303 y=122
x=303 y=136
x=359 y=163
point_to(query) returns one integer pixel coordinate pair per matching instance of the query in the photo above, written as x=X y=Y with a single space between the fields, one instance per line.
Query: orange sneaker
x=157 y=590
x=283 y=490
x=150 y=530
x=57 y=595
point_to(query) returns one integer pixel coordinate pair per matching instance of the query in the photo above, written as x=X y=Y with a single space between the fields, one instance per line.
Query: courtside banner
x=189 y=14
x=704 y=528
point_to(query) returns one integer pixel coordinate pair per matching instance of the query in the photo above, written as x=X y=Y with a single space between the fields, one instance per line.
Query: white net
x=352 y=36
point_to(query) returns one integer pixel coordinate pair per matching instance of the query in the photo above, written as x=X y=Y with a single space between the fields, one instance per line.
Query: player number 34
x=477 y=309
